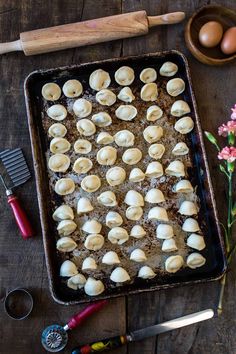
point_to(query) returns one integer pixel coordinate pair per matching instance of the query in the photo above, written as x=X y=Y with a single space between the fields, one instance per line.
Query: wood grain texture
x=22 y=262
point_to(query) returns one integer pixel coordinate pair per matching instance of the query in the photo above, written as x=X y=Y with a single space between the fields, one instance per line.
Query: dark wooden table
x=22 y=262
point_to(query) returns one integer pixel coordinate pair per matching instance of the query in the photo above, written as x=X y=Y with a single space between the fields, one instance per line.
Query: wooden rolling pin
x=88 y=32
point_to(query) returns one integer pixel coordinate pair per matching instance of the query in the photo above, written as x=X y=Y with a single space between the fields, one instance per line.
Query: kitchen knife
x=79 y=34
x=115 y=342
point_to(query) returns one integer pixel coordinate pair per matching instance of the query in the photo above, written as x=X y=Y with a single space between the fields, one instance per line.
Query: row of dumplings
x=119 y=275
x=83 y=108
x=100 y=79
x=117 y=175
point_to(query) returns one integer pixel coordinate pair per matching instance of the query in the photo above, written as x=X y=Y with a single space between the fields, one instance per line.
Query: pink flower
x=228 y=154
x=230 y=127
x=233 y=115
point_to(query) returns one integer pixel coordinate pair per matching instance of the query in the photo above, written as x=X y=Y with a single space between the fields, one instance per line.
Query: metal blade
x=173 y=324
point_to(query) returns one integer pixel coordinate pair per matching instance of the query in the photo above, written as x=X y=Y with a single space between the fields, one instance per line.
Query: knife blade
x=116 y=342
x=172 y=324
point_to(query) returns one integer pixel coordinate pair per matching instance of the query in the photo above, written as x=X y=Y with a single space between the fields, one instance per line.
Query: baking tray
x=199 y=176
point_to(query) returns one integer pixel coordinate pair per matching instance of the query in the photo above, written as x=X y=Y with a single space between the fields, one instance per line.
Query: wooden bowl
x=210 y=56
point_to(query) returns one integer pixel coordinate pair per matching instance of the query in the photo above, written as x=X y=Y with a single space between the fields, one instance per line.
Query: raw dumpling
x=66 y=227
x=63 y=212
x=174 y=263
x=154 y=113
x=59 y=163
x=195 y=260
x=86 y=127
x=82 y=108
x=138 y=255
x=99 y=79
x=68 y=269
x=184 y=125
x=126 y=95
x=169 y=245
x=106 y=97
x=148 y=75
x=156 y=151
x=132 y=156
x=124 y=76
x=149 y=92
x=168 y=69
x=126 y=112
x=146 y=272
x=113 y=219
x=124 y=138
x=107 y=199
x=57 y=130
x=76 y=282
x=84 y=206
x=102 y=119
x=93 y=287
x=91 y=183
x=154 y=196
x=66 y=244
x=180 y=149
x=92 y=227
x=134 y=198
x=51 y=91
x=134 y=213
x=118 y=235
x=175 y=168
x=89 y=264
x=115 y=176
x=72 y=88
x=136 y=175
x=183 y=186
x=190 y=225
x=57 y=112
x=175 y=87
x=104 y=138
x=154 y=170
x=196 y=241
x=137 y=231
x=82 y=146
x=164 y=231
x=65 y=186
x=82 y=165
x=119 y=275
x=179 y=108
x=94 y=242
x=152 y=133
x=188 y=208
x=110 y=258
x=107 y=156
x=158 y=213
x=59 y=145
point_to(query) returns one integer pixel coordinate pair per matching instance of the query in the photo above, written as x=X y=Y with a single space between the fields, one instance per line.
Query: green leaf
x=212 y=139
x=223 y=169
x=233 y=212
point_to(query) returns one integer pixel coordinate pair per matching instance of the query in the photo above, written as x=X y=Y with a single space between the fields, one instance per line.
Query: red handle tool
x=20 y=217
x=77 y=319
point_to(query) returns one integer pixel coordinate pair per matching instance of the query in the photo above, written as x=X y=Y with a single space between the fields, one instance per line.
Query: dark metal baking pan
x=199 y=175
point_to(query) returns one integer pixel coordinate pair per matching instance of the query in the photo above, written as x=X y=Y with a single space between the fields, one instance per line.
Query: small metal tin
x=18 y=304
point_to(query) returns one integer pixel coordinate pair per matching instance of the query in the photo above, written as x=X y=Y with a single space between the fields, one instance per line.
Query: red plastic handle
x=20 y=216
x=89 y=310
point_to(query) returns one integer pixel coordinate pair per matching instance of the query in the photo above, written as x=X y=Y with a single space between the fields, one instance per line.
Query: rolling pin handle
x=166 y=19
x=10 y=47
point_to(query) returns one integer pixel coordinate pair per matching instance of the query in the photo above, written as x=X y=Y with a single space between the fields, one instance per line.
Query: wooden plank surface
x=22 y=262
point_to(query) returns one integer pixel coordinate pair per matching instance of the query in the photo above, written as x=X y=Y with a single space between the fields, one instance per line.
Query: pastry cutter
x=17 y=169
x=54 y=338
x=116 y=342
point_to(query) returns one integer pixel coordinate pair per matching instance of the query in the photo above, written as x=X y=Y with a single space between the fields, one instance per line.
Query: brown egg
x=210 y=34
x=228 y=44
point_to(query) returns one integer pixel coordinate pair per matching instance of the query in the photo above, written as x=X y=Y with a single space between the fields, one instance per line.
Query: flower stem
x=222 y=289
x=229 y=221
